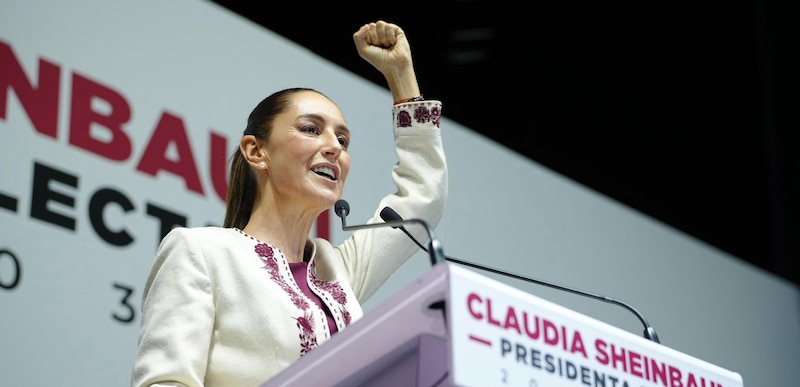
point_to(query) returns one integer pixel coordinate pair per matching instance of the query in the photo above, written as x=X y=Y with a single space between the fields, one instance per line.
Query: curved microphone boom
x=391 y=216
x=434 y=250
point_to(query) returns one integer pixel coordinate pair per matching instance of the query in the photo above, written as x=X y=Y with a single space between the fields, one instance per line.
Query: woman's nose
x=331 y=144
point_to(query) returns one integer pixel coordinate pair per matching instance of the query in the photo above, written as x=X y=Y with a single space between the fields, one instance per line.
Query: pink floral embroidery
x=422 y=114
x=305 y=324
x=403 y=119
x=436 y=115
x=264 y=251
x=334 y=289
x=337 y=293
x=308 y=340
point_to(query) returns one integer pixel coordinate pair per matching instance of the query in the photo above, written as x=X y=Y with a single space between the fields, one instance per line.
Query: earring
x=262 y=164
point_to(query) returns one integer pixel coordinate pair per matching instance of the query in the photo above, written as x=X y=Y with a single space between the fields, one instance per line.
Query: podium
x=454 y=327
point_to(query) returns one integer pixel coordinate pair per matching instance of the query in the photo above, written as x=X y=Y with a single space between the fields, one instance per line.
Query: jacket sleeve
x=178 y=316
x=370 y=256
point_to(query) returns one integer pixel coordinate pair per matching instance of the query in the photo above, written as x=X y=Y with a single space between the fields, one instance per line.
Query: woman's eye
x=310 y=129
x=344 y=141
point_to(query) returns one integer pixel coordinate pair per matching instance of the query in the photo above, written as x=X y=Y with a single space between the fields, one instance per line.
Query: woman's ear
x=254 y=152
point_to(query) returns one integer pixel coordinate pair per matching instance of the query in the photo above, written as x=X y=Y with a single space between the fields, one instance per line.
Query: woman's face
x=307 y=152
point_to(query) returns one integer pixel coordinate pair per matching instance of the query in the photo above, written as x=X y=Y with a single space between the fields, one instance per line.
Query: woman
x=234 y=305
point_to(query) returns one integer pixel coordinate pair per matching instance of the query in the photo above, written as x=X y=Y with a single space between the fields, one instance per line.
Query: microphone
x=434 y=250
x=391 y=216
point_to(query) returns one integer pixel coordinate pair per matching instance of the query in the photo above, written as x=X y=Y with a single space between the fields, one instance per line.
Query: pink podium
x=454 y=327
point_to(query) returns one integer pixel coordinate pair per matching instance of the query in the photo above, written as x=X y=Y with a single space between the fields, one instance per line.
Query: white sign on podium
x=500 y=335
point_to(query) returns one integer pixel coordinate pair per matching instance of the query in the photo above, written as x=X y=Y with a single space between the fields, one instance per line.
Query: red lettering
x=97 y=118
x=511 y=320
x=675 y=377
x=489 y=316
x=170 y=131
x=535 y=334
x=641 y=366
x=577 y=345
x=602 y=356
x=472 y=298
x=83 y=119
x=635 y=363
x=550 y=333
x=618 y=358
x=41 y=103
x=659 y=371
x=691 y=382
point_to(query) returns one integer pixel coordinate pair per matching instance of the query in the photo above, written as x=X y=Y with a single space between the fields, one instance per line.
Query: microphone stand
x=389 y=215
x=434 y=250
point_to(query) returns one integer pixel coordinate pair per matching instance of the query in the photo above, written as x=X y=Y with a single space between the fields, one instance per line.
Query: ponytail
x=241 y=193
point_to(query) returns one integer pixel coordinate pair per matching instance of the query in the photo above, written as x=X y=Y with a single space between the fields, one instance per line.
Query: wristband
x=412 y=99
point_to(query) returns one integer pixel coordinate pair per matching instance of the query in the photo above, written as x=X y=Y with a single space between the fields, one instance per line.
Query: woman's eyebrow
x=320 y=118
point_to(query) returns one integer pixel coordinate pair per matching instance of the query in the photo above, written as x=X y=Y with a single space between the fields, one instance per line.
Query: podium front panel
x=501 y=336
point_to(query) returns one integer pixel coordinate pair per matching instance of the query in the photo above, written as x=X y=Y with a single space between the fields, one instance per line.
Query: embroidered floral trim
x=305 y=324
x=421 y=114
x=337 y=293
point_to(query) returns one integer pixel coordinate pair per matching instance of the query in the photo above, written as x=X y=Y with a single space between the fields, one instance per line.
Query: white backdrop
x=82 y=213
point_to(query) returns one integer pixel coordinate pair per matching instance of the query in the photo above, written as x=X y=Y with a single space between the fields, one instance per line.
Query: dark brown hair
x=242 y=187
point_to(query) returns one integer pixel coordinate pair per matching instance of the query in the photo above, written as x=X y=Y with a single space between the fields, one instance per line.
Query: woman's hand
x=385 y=47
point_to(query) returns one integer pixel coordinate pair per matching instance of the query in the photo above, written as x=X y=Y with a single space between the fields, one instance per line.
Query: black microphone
x=391 y=216
x=342 y=209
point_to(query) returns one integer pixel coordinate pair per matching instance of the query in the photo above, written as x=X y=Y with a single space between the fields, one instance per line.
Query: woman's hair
x=242 y=187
